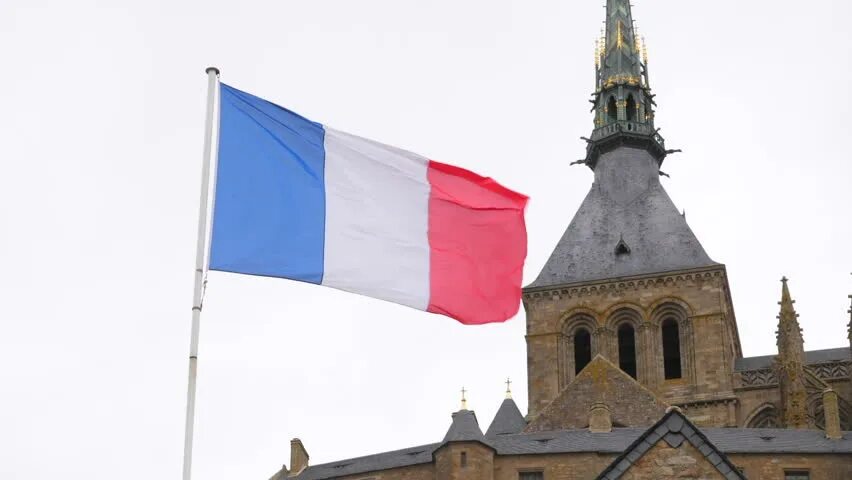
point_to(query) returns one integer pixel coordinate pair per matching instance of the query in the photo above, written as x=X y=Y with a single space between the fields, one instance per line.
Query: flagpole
x=211 y=128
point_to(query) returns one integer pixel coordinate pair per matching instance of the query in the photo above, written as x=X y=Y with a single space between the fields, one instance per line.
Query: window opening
x=631 y=108
x=612 y=109
x=627 y=349
x=671 y=349
x=582 y=349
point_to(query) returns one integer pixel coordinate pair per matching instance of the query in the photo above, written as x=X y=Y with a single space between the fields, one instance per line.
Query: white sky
x=100 y=143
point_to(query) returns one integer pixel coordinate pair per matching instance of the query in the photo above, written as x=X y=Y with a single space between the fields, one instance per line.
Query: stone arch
x=663 y=313
x=622 y=312
x=625 y=349
x=574 y=323
x=764 y=416
x=665 y=305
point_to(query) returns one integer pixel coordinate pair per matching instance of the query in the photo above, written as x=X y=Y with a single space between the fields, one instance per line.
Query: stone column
x=832 y=415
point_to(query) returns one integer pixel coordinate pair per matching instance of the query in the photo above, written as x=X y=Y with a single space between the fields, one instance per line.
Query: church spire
x=790 y=362
x=624 y=105
x=621 y=63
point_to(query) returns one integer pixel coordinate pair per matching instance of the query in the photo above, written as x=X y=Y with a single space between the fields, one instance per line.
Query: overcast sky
x=100 y=143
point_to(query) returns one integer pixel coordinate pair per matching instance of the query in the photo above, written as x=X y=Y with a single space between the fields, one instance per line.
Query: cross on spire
x=464 y=400
x=508 y=388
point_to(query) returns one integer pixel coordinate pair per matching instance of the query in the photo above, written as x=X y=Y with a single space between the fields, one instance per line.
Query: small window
x=530 y=475
x=796 y=475
x=582 y=349
x=463 y=459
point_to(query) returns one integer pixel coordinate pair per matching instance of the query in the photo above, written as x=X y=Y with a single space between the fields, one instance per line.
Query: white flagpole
x=211 y=132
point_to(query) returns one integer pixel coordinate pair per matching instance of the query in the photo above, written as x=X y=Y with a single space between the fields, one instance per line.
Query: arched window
x=612 y=109
x=766 y=416
x=582 y=349
x=671 y=349
x=631 y=108
x=627 y=349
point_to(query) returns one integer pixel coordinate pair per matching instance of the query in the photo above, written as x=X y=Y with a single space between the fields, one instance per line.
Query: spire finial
x=508 y=387
x=785 y=294
x=464 y=399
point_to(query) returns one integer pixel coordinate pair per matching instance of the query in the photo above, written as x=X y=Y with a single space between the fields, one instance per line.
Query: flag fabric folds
x=296 y=199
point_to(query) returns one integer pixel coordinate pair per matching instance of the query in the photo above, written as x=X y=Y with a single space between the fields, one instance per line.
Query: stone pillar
x=600 y=418
x=298 y=456
x=832 y=415
x=643 y=357
x=604 y=343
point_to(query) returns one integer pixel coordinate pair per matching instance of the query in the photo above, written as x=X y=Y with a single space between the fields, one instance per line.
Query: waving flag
x=296 y=199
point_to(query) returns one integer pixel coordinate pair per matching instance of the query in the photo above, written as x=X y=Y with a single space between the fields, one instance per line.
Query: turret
x=790 y=363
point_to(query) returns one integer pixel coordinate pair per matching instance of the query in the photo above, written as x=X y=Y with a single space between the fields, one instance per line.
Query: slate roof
x=674 y=429
x=727 y=440
x=507 y=420
x=464 y=428
x=811 y=358
x=626 y=202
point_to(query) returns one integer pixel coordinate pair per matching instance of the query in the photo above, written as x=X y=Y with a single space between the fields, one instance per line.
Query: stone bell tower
x=629 y=280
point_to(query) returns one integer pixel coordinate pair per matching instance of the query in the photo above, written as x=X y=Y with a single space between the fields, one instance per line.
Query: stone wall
x=629 y=403
x=464 y=461
x=700 y=299
x=416 y=472
x=577 y=466
x=662 y=462
x=772 y=467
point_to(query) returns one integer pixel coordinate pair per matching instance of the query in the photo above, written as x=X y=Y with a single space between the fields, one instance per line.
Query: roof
x=811 y=358
x=674 y=429
x=727 y=440
x=631 y=403
x=507 y=420
x=626 y=204
x=464 y=428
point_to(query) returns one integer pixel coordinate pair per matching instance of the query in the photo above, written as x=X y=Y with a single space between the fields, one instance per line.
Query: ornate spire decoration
x=464 y=399
x=508 y=388
x=624 y=105
x=790 y=362
x=849 y=332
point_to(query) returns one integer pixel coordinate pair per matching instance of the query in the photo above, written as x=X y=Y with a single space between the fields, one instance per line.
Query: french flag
x=296 y=199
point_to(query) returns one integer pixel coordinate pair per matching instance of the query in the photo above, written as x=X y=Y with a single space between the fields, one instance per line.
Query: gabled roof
x=631 y=404
x=811 y=358
x=508 y=420
x=674 y=429
x=626 y=204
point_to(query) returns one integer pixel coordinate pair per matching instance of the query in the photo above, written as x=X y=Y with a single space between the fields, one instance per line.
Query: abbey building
x=635 y=368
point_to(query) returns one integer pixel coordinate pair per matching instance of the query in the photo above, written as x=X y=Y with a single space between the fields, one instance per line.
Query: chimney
x=298 y=457
x=600 y=418
x=832 y=415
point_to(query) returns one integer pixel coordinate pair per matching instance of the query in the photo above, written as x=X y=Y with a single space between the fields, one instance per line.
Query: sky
x=100 y=147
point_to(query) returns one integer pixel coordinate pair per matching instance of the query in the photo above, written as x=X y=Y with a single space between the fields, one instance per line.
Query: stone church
x=635 y=367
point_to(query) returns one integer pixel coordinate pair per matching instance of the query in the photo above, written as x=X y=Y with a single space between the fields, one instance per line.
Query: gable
x=673 y=448
x=630 y=404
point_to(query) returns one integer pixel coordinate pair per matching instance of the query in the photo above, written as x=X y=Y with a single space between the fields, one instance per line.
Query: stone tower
x=629 y=280
x=790 y=363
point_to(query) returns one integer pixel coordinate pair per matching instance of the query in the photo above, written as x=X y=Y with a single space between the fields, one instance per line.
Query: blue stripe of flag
x=269 y=216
